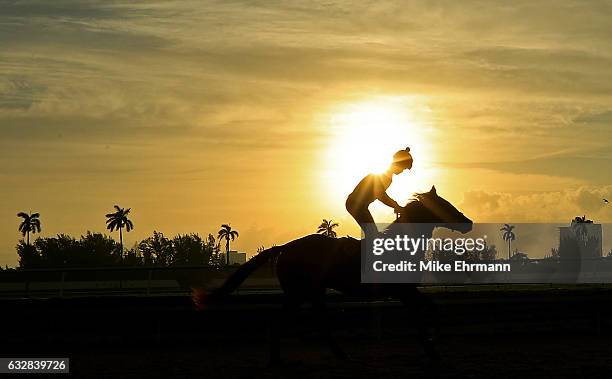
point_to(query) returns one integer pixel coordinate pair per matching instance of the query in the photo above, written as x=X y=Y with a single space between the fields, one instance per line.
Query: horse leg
x=320 y=309
x=278 y=325
x=428 y=319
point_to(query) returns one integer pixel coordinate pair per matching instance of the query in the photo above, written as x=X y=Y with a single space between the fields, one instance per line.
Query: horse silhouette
x=308 y=266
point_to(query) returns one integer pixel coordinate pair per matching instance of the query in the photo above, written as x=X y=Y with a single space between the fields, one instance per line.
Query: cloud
x=604 y=117
x=19 y=93
x=482 y=201
x=551 y=206
x=592 y=169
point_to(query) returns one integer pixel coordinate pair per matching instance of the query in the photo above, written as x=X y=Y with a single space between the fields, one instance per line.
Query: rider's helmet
x=403 y=158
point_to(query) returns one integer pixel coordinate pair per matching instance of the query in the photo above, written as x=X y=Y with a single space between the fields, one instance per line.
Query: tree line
x=100 y=250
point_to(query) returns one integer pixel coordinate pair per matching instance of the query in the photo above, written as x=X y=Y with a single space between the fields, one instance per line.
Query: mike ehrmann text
x=437 y=266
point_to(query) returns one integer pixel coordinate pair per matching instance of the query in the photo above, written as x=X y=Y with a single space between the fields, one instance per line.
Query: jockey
x=373 y=187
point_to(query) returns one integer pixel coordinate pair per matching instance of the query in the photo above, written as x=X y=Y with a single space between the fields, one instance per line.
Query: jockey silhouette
x=373 y=187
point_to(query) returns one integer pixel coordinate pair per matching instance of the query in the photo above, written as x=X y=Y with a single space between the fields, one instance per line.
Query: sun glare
x=364 y=136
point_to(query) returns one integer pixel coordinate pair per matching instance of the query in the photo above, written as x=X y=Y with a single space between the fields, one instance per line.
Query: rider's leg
x=366 y=222
x=363 y=217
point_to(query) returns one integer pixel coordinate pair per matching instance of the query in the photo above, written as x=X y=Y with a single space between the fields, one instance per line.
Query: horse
x=307 y=267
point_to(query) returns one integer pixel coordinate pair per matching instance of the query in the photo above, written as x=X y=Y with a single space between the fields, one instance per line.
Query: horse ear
x=433 y=190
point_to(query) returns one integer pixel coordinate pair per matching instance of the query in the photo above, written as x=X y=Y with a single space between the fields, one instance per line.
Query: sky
x=265 y=114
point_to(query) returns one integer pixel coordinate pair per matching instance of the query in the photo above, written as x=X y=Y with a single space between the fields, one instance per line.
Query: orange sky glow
x=266 y=116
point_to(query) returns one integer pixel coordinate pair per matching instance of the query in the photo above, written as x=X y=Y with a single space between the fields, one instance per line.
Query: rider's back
x=370 y=188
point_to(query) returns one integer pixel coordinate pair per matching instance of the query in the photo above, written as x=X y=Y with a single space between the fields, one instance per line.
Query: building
x=235 y=257
x=589 y=233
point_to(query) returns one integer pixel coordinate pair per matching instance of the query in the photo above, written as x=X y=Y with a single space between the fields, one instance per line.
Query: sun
x=362 y=139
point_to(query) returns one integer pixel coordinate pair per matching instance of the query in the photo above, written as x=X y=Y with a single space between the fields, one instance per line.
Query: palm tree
x=327 y=228
x=228 y=234
x=508 y=235
x=119 y=220
x=30 y=223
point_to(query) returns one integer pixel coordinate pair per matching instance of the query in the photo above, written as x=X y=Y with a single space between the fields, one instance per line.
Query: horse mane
x=415 y=208
x=418 y=196
x=416 y=199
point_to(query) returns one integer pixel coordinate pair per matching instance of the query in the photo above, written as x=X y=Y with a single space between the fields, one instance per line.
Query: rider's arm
x=385 y=199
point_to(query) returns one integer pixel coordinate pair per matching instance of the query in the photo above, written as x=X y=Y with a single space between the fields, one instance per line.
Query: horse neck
x=415 y=213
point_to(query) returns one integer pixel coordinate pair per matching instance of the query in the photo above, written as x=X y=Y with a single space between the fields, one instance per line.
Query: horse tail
x=201 y=298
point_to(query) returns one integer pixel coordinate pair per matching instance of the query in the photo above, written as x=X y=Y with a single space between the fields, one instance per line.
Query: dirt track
x=557 y=334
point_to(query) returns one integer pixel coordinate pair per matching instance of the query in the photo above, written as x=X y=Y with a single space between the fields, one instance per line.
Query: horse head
x=430 y=208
